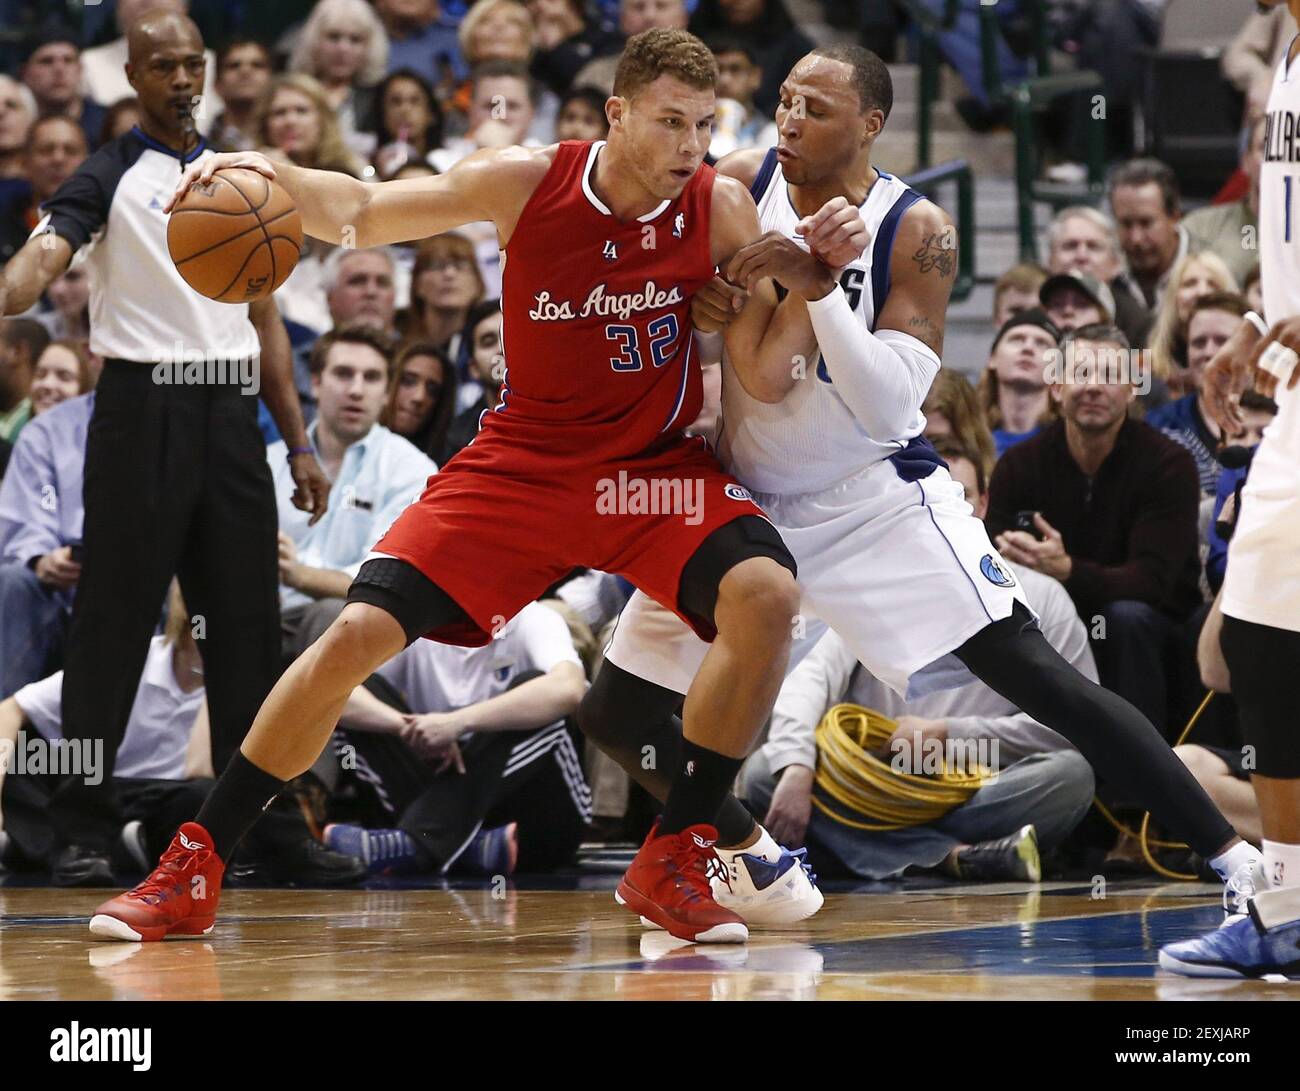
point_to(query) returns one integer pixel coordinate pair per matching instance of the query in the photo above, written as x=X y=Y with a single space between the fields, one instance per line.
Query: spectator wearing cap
x=1212 y=321
x=1075 y=299
x=17 y=112
x=1013 y=387
x=243 y=79
x=56 y=147
x=103 y=68
x=1082 y=238
x=1017 y=290
x=1108 y=506
x=373 y=475
x=422 y=37
x=738 y=122
x=1229 y=230
x=1147 y=205
x=52 y=70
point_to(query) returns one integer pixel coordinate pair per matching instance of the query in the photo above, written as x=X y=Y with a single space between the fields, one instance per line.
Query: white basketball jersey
x=811 y=440
x=1263 y=577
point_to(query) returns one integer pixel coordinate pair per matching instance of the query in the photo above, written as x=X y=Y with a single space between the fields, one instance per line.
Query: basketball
x=235 y=239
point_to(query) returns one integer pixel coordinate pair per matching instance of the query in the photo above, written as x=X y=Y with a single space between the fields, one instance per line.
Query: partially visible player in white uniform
x=890 y=554
x=1261 y=589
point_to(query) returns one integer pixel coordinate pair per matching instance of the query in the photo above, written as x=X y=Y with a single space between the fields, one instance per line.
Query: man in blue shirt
x=373 y=473
x=421 y=38
x=40 y=521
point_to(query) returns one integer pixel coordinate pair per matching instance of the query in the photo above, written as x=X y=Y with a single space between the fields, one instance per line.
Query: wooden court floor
x=1054 y=941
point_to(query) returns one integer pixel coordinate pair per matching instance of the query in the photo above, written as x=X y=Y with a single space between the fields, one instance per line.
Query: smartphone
x=75 y=552
x=1025 y=522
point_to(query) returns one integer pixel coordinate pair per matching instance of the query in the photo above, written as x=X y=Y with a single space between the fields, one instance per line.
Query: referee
x=176 y=479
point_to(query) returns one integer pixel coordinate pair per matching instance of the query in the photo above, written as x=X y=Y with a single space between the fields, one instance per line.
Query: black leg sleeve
x=634 y=722
x=1119 y=742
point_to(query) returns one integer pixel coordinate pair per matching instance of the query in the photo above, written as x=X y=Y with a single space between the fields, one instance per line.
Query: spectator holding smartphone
x=1115 y=508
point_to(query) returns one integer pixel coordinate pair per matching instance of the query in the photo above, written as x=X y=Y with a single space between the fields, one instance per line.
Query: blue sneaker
x=382 y=851
x=492 y=852
x=1264 y=942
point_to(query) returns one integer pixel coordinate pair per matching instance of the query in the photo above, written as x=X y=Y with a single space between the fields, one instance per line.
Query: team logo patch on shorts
x=738 y=492
x=996 y=572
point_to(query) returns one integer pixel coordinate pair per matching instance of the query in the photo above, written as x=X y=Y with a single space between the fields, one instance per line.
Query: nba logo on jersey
x=610 y=253
x=679 y=225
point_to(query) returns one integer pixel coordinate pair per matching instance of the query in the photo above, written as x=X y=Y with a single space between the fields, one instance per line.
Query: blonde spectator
x=345 y=47
x=497 y=30
x=1195 y=276
x=953 y=414
x=1017 y=290
x=298 y=122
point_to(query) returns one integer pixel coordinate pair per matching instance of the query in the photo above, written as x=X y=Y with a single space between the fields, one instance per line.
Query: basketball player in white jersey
x=890 y=554
x=1261 y=590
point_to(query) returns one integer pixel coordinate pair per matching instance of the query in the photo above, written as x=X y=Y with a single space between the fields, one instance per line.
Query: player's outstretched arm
x=29 y=272
x=884 y=376
x=492 y=184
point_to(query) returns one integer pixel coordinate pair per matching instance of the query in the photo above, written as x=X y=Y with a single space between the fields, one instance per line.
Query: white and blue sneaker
x=382 y=851
x=769 y=893
x=1265 y=942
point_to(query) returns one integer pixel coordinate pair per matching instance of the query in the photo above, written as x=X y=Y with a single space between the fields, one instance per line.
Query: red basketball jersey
x=600 y=358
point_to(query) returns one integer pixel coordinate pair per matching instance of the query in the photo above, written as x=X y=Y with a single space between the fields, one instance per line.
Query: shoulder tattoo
x=938 y=251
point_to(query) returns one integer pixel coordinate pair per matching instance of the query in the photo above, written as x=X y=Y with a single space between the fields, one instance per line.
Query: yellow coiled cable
x=851 y=775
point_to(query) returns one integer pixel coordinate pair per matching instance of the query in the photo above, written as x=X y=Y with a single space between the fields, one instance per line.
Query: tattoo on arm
x=936 y=252
x=926 y=330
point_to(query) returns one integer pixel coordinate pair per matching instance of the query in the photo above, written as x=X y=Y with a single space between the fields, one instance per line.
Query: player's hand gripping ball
x=236 y=238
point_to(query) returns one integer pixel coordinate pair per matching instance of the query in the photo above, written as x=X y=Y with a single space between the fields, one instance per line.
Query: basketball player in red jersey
x=605 y=245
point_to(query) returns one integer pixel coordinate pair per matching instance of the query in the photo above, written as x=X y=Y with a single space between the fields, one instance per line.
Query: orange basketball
x=235 y=239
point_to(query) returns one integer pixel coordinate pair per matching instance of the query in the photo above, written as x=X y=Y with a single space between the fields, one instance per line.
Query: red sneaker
x=178 y=899
x=668 y=883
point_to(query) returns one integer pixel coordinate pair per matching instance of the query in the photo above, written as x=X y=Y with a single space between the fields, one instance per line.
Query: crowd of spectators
x=1085 y=435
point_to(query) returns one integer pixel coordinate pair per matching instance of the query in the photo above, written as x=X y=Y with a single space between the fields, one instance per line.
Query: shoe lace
x=175 y=862
x=695 y=866
x=801 y=857
x=1239 y=889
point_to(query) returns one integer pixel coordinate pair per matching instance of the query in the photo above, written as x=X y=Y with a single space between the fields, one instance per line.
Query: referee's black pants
x=176 y=483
